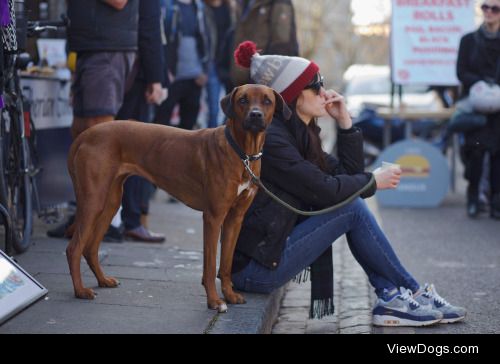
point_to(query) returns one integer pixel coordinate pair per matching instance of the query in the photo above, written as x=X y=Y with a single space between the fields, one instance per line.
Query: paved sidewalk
x=160 y=289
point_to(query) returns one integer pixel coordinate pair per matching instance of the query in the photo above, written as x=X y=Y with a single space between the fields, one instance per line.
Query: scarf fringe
x=321 y=308
x=303 y=276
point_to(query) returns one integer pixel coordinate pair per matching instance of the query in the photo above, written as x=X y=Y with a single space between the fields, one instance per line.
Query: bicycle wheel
x=18 y=200
x=3 y=199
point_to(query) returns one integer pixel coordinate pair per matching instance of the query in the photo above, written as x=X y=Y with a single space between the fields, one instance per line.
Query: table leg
x=454 y=153
x=387 y=132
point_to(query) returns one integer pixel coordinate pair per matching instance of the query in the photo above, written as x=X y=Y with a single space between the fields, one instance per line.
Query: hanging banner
x=425 y=36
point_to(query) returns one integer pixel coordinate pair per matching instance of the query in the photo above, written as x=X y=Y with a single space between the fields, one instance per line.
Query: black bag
x=464 y=122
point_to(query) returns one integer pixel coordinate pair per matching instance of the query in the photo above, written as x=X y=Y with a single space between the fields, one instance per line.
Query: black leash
x=246 y=159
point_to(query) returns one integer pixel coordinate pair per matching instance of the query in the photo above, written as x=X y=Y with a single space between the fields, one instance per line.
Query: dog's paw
x=235 y=298
x=218 y=305
x=85 y=294
x=109 y=282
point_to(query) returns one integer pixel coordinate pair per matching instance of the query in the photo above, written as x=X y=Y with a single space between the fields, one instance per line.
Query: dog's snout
x=256 y=114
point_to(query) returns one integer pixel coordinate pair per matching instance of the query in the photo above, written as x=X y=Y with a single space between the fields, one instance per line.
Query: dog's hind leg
x=73 y=255
x=83 y=230
x=90 y=198
x=91 y=252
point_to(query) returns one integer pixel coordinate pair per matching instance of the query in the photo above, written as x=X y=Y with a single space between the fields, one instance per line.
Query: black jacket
x=478 y=59
x=151 y=57
x=96 y=26
x=287 y=173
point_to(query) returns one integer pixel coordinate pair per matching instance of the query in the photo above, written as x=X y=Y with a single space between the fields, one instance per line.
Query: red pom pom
x=244 y=53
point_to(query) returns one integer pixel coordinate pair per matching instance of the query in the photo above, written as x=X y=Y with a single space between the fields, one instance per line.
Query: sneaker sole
x=394 y=321
x=452 y=320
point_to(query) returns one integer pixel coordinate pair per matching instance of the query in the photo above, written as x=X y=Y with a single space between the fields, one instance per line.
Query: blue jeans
x=214 y=87
x=311 y=238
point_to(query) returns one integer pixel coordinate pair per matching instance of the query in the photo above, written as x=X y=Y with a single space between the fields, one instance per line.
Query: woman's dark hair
x=313 y=151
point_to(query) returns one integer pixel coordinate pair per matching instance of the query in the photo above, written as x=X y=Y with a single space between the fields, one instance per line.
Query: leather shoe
x=140 y=233
x=60 y=230
x=113 y=235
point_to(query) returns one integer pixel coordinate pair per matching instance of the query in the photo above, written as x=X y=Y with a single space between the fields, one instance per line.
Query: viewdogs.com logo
x=437 y=350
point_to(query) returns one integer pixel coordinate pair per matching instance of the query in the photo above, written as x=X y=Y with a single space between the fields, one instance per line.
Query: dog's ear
x=282 y=106
x=227 y=104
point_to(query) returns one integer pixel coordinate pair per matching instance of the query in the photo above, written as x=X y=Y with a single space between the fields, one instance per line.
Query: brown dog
x=199 y=168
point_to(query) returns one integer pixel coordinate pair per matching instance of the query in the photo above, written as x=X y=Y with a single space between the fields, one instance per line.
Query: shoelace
x=432 y=293
x=407 y=295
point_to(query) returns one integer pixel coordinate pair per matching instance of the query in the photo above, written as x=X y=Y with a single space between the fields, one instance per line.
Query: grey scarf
x=487 y=34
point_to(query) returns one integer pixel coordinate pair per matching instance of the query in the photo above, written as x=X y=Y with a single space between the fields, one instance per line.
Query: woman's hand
x=387 y=178
x=336 y=108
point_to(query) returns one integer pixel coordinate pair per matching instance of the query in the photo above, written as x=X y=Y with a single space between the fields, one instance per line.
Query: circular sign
x=425 y=175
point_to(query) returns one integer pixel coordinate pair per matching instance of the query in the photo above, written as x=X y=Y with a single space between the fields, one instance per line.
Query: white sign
x=53 y=51
x=425 y=37
x=17 y=288
x=50 y=101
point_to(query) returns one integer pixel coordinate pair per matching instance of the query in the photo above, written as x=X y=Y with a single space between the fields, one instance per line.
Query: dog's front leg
x=211 y=233
x=230 y=232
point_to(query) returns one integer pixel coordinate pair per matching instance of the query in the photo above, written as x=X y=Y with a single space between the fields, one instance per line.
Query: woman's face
x=311 y=101
x=491 y=11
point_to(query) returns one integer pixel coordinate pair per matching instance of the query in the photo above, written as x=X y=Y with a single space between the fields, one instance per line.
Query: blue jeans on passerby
x=214 y=87
x=312 y=237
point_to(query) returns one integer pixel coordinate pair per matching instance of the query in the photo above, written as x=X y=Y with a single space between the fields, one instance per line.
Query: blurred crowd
x=153 y=61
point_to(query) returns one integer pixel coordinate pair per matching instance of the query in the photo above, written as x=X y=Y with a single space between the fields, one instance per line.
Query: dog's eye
x=243 y=100
x=267 y=102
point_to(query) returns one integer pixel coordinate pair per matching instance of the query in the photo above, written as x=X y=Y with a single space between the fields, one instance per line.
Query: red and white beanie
x=286 y=75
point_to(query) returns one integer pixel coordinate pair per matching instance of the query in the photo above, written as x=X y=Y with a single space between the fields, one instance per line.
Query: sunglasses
x=494 y=9
x=316 y=84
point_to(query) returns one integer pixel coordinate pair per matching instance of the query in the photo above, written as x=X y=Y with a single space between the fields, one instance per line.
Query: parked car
x=369 y=85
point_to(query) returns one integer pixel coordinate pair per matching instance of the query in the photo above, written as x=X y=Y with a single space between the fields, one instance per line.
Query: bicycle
x=18 y=158
x=7 y=228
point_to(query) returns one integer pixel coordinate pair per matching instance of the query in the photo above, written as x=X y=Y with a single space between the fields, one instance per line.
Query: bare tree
x=327 y=35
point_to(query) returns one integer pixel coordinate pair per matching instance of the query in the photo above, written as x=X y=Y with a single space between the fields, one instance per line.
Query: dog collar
x=237 y=149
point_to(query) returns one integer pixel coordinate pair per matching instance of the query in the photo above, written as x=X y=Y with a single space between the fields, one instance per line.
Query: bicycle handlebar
x=38 y=26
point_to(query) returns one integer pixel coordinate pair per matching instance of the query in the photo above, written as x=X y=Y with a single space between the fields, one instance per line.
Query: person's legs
x=98 y=89
x=131 y=212
x=213 y=97
x=372 y=250
x=495 y=185
x=134 y=202
x=474 y=157
x=312 y=237
x=189 y=105
x=163 y=113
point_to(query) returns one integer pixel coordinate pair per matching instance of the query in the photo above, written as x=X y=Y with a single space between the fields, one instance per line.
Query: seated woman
x=276 y=244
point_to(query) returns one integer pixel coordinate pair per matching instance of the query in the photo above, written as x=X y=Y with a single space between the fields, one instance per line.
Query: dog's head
x=254 y=106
